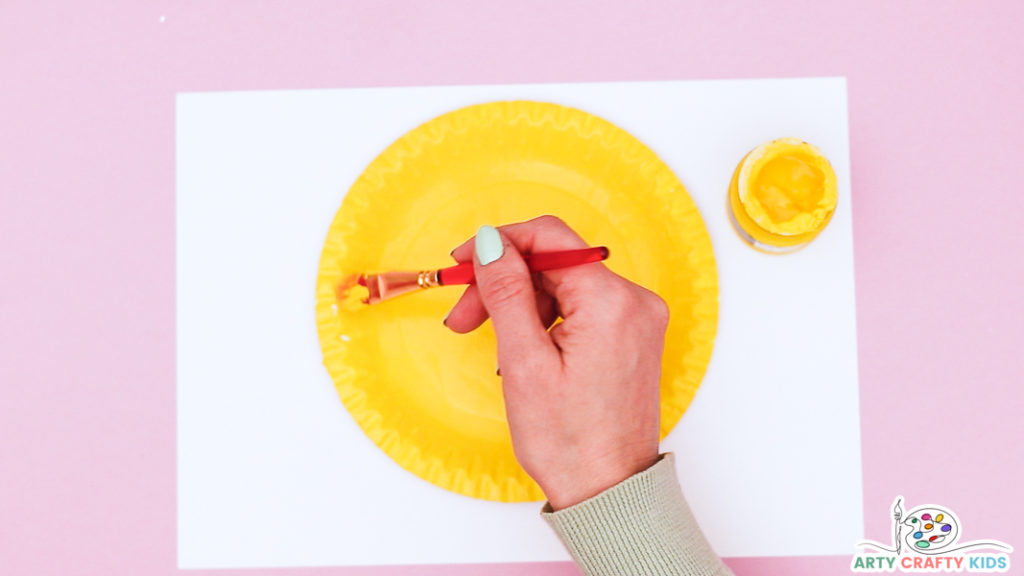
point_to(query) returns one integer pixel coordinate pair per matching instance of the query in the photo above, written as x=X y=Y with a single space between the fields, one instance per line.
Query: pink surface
x=87 y=417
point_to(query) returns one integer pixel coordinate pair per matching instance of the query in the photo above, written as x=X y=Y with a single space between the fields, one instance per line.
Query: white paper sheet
x=272 y=471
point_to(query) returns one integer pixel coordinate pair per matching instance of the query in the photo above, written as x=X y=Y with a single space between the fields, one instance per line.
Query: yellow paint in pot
x=429 y=398
x=782 y=195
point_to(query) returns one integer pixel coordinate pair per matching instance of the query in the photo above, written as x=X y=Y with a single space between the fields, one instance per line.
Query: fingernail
x=488 y=245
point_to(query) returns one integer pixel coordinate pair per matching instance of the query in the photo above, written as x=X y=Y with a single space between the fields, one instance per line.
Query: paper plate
x=430 y=398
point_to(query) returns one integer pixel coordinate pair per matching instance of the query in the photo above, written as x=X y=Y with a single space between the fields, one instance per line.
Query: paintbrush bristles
x=387 y=285
x=351 y=294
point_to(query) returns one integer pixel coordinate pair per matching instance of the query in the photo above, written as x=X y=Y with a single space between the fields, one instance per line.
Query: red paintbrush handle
x=539 y=262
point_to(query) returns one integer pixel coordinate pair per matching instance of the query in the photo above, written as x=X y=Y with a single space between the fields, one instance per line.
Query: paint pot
x=782 y=195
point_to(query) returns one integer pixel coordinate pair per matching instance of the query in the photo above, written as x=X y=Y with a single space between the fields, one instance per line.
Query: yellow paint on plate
x=430 y=398
x=782 y=195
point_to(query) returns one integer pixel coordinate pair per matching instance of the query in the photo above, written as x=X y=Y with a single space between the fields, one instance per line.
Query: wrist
x=582 y=482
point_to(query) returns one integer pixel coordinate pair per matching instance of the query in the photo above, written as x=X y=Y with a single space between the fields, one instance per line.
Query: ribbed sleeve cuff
x=642 y=525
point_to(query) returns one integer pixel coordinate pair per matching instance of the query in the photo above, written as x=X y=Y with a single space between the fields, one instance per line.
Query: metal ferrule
x=427 y=279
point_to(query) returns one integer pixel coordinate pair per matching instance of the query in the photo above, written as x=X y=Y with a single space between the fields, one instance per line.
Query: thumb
x=506 y=290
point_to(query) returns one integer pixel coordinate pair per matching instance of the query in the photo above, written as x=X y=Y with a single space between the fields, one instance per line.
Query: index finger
x=547 y=234
x=544 y=233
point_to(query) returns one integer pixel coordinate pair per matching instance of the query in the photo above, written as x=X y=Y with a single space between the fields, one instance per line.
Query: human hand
x=582 y=400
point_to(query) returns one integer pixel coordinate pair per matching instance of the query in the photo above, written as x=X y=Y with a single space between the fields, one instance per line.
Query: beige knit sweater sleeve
x=641 y=526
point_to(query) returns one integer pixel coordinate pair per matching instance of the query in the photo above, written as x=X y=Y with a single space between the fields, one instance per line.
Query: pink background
x=87 y=417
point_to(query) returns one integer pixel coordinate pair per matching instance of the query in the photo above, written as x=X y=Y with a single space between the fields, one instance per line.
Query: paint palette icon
x=931 y=529
x=926 y=531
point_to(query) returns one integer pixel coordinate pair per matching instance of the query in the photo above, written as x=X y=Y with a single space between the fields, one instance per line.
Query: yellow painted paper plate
x=430 y=398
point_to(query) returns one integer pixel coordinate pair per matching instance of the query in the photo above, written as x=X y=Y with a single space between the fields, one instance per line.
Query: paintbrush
x=373 y=288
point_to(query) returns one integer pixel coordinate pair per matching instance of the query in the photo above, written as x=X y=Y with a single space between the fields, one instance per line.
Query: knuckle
x=524 y=370
x=620 y=298
x=550 y=221
x=659 y=309
x=502 y=289
x=631 y=303
x=618 y=303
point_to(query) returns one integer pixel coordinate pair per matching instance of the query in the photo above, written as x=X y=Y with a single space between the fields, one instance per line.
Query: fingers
x=505 y=287
x=569 y=286
x=547 y=232
x=542 y=234
x=547 y=308
x=469 y=312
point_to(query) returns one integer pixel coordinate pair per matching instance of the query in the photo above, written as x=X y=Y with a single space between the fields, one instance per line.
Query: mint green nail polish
x=488 y=245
